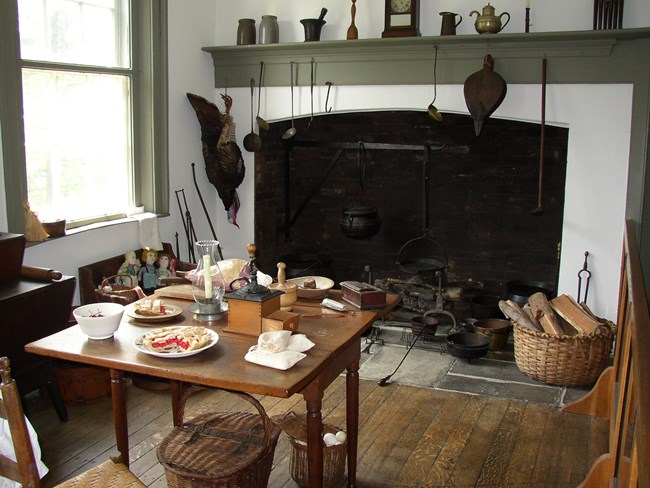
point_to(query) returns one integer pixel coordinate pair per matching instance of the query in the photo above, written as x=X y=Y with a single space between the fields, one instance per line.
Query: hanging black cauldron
x=360 y=222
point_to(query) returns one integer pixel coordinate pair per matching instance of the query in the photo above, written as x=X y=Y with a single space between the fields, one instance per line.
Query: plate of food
x=152 y=310
x=176 y=342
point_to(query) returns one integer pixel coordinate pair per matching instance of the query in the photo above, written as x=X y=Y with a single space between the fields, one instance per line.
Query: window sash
x=151 y=172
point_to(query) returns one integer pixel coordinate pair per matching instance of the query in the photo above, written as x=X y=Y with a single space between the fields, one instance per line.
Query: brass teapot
x=489 y=23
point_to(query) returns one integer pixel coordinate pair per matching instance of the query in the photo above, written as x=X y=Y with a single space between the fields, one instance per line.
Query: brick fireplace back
x=473 y=199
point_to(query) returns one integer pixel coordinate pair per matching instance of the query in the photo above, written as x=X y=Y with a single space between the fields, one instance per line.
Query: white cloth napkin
x=149 y=234
x=279 y=349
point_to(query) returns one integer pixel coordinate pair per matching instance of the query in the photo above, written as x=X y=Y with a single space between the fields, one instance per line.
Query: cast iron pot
x=307 y=264
x=470 y=345
x=519 y=291
x=486 y=307
x=360 y=222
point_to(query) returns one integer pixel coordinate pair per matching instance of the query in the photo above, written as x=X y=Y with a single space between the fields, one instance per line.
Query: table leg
x=118 y=392
x=176 y=388
x=352 y=419
x=314 y=399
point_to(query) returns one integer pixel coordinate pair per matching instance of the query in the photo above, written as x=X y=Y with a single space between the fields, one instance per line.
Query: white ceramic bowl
x=323 y=285
x=99 y=320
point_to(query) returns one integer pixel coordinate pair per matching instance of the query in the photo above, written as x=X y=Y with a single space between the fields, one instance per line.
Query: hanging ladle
x=263 y=124
x=431 y=109
x=252 y=142
x=289 y=133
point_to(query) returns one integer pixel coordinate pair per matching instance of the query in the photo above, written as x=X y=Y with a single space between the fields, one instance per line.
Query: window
x=90 y=79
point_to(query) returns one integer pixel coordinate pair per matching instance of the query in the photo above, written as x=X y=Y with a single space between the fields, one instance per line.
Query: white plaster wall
x=546 y=16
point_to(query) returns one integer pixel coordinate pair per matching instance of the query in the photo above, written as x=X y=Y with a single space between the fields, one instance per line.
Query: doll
x=130 y=267
x=166 y=267
x=148 y=274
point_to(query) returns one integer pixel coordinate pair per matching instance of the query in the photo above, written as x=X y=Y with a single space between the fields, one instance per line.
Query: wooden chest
x=362 y=295
x=12 y=249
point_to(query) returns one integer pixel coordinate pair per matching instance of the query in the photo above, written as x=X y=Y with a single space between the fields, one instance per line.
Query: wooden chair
x=24 y=470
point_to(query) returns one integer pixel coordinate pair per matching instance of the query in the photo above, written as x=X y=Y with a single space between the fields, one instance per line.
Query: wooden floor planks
x=409 y=437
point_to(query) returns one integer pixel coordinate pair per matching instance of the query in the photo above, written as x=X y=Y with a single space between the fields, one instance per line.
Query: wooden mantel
x=606 y=56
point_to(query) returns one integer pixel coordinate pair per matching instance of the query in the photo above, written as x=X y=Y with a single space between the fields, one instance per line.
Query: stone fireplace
x=468 y=203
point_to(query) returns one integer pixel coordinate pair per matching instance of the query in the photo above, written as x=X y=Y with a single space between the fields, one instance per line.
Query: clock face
x=400 y=6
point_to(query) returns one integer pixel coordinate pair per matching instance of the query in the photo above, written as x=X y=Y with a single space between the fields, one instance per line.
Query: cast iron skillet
x=468 y=345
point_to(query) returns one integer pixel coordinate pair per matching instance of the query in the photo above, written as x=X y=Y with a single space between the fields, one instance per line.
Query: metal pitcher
x=449 y=24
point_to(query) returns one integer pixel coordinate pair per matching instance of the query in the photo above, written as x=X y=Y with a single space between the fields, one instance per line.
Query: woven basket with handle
x=295 y=426
x=567 y=360
x=232 y=449
x=109 y=288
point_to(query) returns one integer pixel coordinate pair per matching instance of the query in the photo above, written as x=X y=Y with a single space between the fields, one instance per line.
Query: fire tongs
x=584 y=272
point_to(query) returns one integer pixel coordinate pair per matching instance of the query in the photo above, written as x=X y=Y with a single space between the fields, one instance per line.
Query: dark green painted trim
x=574 y=57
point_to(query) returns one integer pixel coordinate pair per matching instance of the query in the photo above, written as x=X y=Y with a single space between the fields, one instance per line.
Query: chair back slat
x=24 y=469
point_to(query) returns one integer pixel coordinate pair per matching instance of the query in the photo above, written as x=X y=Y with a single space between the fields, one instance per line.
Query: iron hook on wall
x=327 y=98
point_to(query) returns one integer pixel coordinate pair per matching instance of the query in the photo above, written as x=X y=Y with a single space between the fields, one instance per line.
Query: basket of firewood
x=558 y=341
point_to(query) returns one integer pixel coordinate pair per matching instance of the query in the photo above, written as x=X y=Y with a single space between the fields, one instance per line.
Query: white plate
x=138 y=345
x=171 y=311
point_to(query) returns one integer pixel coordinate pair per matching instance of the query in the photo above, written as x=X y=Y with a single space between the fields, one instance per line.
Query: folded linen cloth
x=149 y=234
x=279 y=349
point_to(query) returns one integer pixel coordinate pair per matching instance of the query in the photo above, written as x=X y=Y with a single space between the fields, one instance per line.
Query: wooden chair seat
x=24 y=470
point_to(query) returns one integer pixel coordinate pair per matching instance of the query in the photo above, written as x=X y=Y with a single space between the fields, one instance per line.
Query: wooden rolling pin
x=40 y=274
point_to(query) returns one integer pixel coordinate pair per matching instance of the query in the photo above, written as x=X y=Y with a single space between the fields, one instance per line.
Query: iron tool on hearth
x=587 y=274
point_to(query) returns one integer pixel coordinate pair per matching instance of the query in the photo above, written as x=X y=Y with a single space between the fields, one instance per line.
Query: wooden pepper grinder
x=290 y=290
x=353 y=33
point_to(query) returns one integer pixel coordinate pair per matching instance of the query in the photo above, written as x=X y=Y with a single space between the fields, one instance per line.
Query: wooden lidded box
x=362 y=295
x=12 y=250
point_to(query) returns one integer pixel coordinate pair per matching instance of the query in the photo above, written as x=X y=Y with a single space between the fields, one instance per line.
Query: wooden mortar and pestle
x=290 y=290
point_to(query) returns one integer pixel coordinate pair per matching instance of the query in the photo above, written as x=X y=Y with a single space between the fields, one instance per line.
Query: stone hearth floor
x=428 y=365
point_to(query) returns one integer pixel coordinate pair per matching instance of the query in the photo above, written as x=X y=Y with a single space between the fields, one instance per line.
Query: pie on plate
x=147 y=312
x=177 y=341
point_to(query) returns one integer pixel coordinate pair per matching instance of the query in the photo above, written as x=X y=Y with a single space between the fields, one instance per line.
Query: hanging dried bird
x=224 y=164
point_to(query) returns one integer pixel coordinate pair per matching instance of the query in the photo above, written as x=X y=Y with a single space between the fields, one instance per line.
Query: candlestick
x=527 y=21
x=207 y=276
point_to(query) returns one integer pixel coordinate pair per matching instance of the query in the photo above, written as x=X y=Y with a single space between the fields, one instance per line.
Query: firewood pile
x=561 y=316
x=559 y=341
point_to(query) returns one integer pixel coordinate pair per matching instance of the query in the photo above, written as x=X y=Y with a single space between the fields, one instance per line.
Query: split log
x=531 y=317
x=513 y=311
x=567 y=308
x=543 y=312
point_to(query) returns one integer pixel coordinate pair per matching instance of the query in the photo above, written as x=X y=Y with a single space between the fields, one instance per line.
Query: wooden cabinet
x=30 y=310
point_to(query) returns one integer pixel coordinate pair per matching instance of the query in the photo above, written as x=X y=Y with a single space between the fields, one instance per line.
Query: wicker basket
x=124 y=293
x=220 y=450
x=563 y=360
x=295 y=426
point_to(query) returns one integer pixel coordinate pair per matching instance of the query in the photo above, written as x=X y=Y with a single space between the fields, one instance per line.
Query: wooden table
x=338 y=348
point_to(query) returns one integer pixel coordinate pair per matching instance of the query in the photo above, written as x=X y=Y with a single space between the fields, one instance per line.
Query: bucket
x=486 y=307
x=497 y=330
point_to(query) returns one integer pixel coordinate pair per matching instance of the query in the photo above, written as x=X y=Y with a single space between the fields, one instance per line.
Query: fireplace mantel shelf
x=605 y=56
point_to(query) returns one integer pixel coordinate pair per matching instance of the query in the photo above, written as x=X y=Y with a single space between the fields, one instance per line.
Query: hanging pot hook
x=361 y=163
x=327 y=98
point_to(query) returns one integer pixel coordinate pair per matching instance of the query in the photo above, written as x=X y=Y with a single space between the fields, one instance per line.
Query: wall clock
x=402 y=18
